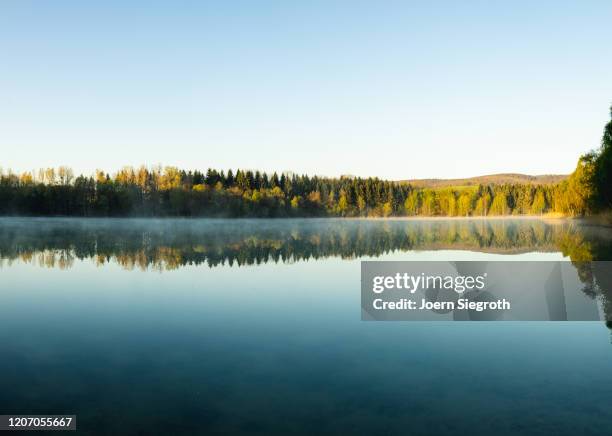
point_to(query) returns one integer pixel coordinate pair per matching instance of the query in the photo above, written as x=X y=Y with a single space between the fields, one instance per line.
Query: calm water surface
x=253 y=326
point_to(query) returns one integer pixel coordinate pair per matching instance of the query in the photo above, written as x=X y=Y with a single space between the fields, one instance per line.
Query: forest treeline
x=171 y=191
x=174 y=192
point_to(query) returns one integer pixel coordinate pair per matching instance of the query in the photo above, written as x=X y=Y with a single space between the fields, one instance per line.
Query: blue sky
x=390 y=89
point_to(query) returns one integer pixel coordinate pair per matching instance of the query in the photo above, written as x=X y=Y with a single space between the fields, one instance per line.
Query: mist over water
x=204 y=326
x=172 y=243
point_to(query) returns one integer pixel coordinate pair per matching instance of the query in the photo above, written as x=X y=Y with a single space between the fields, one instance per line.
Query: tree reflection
x=170 y=244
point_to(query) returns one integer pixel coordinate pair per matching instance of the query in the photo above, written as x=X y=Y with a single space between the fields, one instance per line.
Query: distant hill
x=495 y=179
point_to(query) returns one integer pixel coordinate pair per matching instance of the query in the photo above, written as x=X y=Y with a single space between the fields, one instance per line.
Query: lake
x=152 y=326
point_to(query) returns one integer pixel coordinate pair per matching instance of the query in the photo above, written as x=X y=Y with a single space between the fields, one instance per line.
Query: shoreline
x=600 y=220
x=339 y=218
x=603 y=219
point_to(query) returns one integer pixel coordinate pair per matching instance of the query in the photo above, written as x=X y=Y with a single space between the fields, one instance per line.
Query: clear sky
x=371 y=88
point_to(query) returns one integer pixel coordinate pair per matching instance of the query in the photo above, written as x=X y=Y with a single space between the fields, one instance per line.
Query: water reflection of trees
x=588 y=250
x=169 y=244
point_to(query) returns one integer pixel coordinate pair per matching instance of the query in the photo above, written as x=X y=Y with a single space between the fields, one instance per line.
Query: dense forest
x=244 y=193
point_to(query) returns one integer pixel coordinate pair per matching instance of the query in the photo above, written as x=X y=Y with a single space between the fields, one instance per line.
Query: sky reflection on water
x=146 y=343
